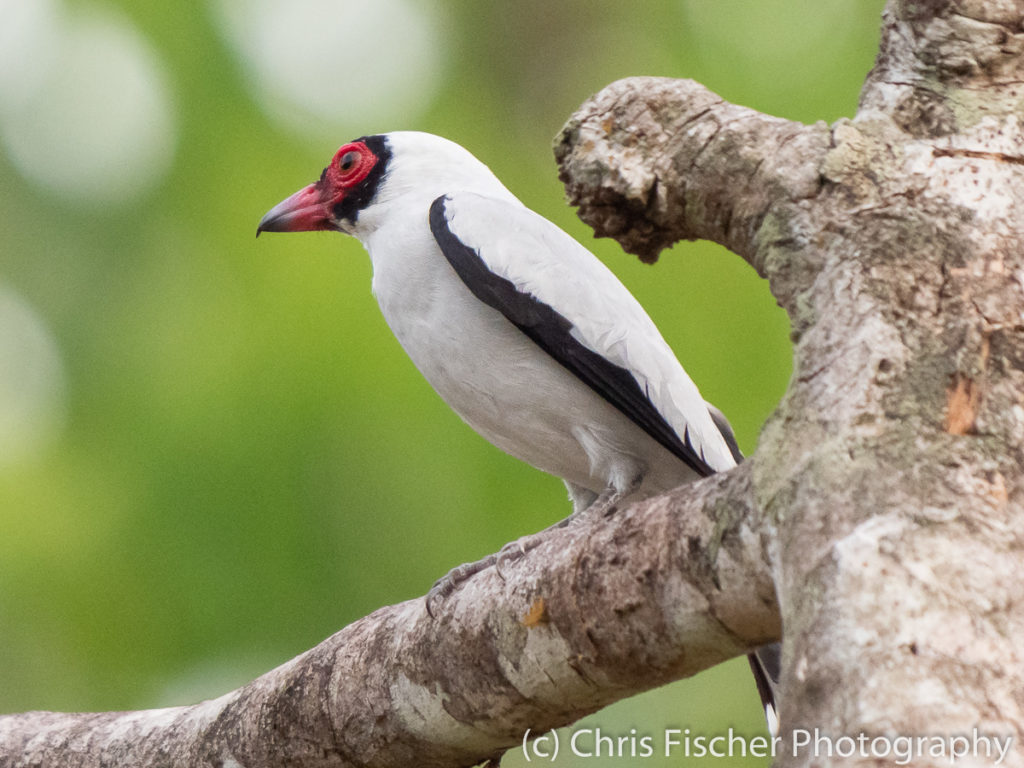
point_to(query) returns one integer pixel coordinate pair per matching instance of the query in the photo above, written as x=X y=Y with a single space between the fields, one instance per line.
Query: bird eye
x=348 y=161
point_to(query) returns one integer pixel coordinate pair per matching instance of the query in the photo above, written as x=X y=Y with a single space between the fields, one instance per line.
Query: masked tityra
x=519 y=328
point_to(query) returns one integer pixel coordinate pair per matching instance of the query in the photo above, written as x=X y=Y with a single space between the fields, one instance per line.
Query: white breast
x=498 y=380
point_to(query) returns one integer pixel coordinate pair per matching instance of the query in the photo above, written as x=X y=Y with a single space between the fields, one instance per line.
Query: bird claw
x=606 y=505
x=514 y=550
x=452 y=580
x=442 y=588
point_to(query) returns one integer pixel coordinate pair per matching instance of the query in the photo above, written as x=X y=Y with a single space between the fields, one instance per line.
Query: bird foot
x=508 y=554
x=517 y=550
x=458 y=575
x=452 y=580
x=604 y=505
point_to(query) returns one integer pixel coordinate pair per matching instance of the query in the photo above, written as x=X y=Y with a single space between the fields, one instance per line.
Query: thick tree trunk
x=884 y=505
x=893 y=467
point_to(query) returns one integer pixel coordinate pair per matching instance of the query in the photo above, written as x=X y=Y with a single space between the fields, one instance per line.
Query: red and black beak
x=307 y=210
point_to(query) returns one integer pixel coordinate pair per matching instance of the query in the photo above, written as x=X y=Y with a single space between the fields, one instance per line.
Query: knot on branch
x=651 y=161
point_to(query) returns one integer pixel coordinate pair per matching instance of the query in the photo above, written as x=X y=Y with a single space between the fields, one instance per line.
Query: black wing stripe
x=551 y=331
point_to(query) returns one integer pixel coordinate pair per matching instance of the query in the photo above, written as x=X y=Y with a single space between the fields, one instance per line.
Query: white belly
x=507 y=388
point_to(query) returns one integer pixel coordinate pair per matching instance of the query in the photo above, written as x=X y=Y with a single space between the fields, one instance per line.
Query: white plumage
x=512 y=391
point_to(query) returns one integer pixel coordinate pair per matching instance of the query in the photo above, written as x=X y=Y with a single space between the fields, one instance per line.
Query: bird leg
x=604 y=505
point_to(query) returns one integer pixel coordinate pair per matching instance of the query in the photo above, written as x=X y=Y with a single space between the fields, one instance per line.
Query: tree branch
x=651 y=161
x=604 y=609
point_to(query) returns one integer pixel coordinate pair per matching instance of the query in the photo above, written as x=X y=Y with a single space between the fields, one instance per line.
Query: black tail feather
x=765 y=663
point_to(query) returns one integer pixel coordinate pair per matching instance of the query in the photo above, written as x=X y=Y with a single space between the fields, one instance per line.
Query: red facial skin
x=311 y=207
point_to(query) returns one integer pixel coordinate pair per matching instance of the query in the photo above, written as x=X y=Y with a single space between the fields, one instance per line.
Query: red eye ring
x=352 y=163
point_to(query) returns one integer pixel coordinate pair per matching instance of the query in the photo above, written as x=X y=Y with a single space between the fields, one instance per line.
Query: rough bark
x=892 y=469
x=603 y=609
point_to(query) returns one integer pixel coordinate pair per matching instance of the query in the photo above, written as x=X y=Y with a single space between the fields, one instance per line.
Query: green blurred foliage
x=249 y=461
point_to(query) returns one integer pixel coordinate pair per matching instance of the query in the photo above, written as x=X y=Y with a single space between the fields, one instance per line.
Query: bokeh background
x=213 y=454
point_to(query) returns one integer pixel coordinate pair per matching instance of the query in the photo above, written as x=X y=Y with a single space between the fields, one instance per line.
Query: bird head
x=348 y=183
x=368 y=176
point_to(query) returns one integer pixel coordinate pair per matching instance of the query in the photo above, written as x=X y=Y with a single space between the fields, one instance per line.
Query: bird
x=520 y=329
